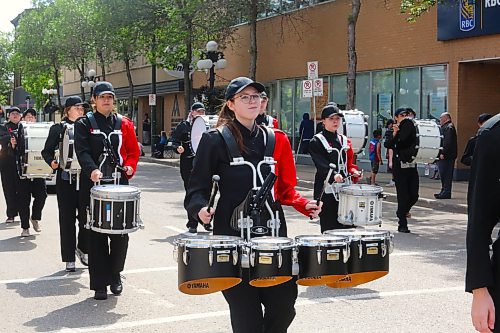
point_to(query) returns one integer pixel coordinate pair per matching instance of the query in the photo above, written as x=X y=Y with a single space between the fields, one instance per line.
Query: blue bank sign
x=467 y=18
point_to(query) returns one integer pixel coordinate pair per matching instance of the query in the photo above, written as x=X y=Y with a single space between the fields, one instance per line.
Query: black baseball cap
x=103 y=87
x=399 y=111
x=240 y=83
x=14 y=109
x=197 y=105
x=30 y=111
x=329 y=110
x=483 y=117
x=73 y=101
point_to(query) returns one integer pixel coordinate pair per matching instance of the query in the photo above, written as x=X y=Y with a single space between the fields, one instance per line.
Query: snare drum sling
x=106 y=261
x=236 y=180
x=70 y=201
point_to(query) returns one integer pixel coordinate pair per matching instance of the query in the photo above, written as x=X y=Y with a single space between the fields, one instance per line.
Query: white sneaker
x=84 y=258
x=36 y=225
x=9 y=220
x=25 y=233
x=70 y=266
x=391 y=183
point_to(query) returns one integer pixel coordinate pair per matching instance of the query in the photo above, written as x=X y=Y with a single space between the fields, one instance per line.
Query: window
x=408 y=89
x=339 y=89
x=286 y=112
x=434 y=91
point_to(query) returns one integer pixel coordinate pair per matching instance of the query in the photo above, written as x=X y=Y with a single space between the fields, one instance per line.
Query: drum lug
x=384 y=250
x=176 y=253
x=210 y=256
x=295 y=256
x=391 y=243
x=280 y=258
x=360 y=249
x=318 y=255
x=235 y=257
x=185 y=256
x=347 y=253
x=252 y=258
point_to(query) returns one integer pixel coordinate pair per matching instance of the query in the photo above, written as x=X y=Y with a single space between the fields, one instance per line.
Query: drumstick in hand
x=215 y=184
x=325 y=184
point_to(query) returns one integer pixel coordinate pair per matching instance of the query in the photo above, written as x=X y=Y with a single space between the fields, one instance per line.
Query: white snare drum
x=207 y=264
x=271 y=260
x=67 y=155
x=360 y=205
x=32 y=163
x=114 y=209
x=200 y=125
x=429 y=141
x=355 y=127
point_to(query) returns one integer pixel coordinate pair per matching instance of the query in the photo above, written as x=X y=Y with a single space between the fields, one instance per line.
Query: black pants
x=446 y=168
x=246 y=309
x=407 y=183
x=10 y=179
x=28 y=188
x=69 y=203
x=186 y=165
x=328 y=218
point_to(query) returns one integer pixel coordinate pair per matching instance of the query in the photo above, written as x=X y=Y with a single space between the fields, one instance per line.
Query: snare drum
x=32 y=163
x=67 y=155
x=355 y=127
x=114 y=209
x=271 y=260
x=207 y=264
x=369 y=259
x=429 y=141
x=201 y=124
x=360 y=205
x=322 y=259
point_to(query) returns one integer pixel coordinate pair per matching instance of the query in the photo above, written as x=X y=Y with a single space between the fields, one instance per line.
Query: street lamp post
x=48 y=92
x=211 y=60
x=89 y=81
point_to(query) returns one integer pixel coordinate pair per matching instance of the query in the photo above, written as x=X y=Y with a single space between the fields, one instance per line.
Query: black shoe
x=192 y=230
x=208 y=227
x=404 y=230
x=116 y=287
x=442 y=196
x=101 y=295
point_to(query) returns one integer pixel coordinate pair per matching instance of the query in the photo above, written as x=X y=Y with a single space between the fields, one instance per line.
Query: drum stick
x=325 y=184
x=215 y=184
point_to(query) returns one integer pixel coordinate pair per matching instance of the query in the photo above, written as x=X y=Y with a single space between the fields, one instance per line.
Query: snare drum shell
x=372 y=259
x=332 y=261
x=102 y=213
x=266 y=264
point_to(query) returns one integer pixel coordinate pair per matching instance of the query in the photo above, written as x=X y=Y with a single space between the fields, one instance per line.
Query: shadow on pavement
x=44 y=287
x=18 y=243
x=83 y=314
x=320 y=292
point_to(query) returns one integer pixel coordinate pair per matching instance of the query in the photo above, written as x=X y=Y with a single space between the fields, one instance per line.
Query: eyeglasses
x=247 y=99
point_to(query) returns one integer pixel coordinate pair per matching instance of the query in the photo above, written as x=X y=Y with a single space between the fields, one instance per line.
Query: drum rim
x=357 y=234
x=205 y=241
x=351 y=189
x=339 y=241
x=260 y=243
x=100 y=192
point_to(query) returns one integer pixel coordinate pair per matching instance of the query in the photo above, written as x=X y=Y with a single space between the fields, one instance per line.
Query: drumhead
x=115 y=192
x=35 y=134
x=67 y=153
x=355 y=127
x=359 y=233
x=361 y=190
x=429 y=141
x=200 y=125
x=271 y=243
x=204 y=241
x=320 y=240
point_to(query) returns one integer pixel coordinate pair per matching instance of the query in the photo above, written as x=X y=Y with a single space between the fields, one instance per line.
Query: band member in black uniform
x=181 y=141
x=403 y=143
x=471 y=143
x=483 y=272
x=237 y=119
x=28 y=188
x=8 y=164
x=325 y=148
x=263 y=118
x=106 y=261
x=68 y=200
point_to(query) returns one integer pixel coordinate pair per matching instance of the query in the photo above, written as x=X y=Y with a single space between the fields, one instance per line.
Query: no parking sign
x=307 y=88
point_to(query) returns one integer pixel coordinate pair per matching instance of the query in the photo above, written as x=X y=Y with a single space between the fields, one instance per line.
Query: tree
x=5 y=70
x=415 y=8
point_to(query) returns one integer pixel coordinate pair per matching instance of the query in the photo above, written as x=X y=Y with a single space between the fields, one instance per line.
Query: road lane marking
x=300 y=303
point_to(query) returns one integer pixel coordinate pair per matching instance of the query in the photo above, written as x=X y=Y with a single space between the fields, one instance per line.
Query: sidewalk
x=305 y=178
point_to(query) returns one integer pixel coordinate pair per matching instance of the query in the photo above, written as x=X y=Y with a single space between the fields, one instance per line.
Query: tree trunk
x=82 y=77
x=102 y=64
x=351 y=54
x=253 y=11
x=188 y=85
x=58 y=87
x=131 y=106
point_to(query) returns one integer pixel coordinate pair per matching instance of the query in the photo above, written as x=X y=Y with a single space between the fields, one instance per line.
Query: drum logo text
x=372 y=212
x=198 y=285
x=467 y=15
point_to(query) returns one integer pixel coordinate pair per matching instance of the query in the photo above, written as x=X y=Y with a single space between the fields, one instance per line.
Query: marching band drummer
x=324 y=149
x=29 y=187
x=263 y=118
x=238 y=117
x=68 y=200
x=181 y=140
x=106 y=261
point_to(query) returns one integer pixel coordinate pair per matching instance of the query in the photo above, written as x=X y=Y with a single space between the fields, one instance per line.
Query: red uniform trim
x=129 y=150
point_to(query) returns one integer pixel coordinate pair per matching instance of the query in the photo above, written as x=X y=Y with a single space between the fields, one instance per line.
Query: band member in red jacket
x=251 y=143
x=106 y=261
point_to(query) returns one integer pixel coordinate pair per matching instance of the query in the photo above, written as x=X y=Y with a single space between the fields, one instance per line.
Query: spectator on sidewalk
x=375 y=154
x=146 y=130
x=448 y=155
x=388 y=154
x=471 y=144
x=306 y=131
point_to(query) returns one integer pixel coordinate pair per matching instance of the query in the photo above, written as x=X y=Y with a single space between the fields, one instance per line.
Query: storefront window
x=302 y=105
x=363 y=92
x=382 y=94
x=408 y=89
x=339 y=89
x=286 y=112
x=434 y=91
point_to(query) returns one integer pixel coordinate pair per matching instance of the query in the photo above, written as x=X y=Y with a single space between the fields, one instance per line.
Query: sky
x=9 y=10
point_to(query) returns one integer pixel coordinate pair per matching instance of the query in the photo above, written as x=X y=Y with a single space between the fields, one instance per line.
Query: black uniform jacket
x=212 y=158
x=182 y=137
x=469 y=151
x=484 y=206
x=450 y=146
x=404 y=142
x=7 y=153
x=53 y=140
x=322 y=159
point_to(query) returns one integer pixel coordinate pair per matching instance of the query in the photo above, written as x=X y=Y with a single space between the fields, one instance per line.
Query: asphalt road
x=424 y=291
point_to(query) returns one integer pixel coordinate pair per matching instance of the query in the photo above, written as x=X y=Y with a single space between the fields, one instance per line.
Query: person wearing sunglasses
x=238 y=136
x=403 y=143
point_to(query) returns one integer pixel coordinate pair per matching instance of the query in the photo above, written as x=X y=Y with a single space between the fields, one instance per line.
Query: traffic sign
x=307 y=88
x=318 y=87
x=152 y=99
x=312 y=70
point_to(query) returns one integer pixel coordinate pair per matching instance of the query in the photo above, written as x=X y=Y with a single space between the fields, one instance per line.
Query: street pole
x=212 y=85
x=153 y=107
